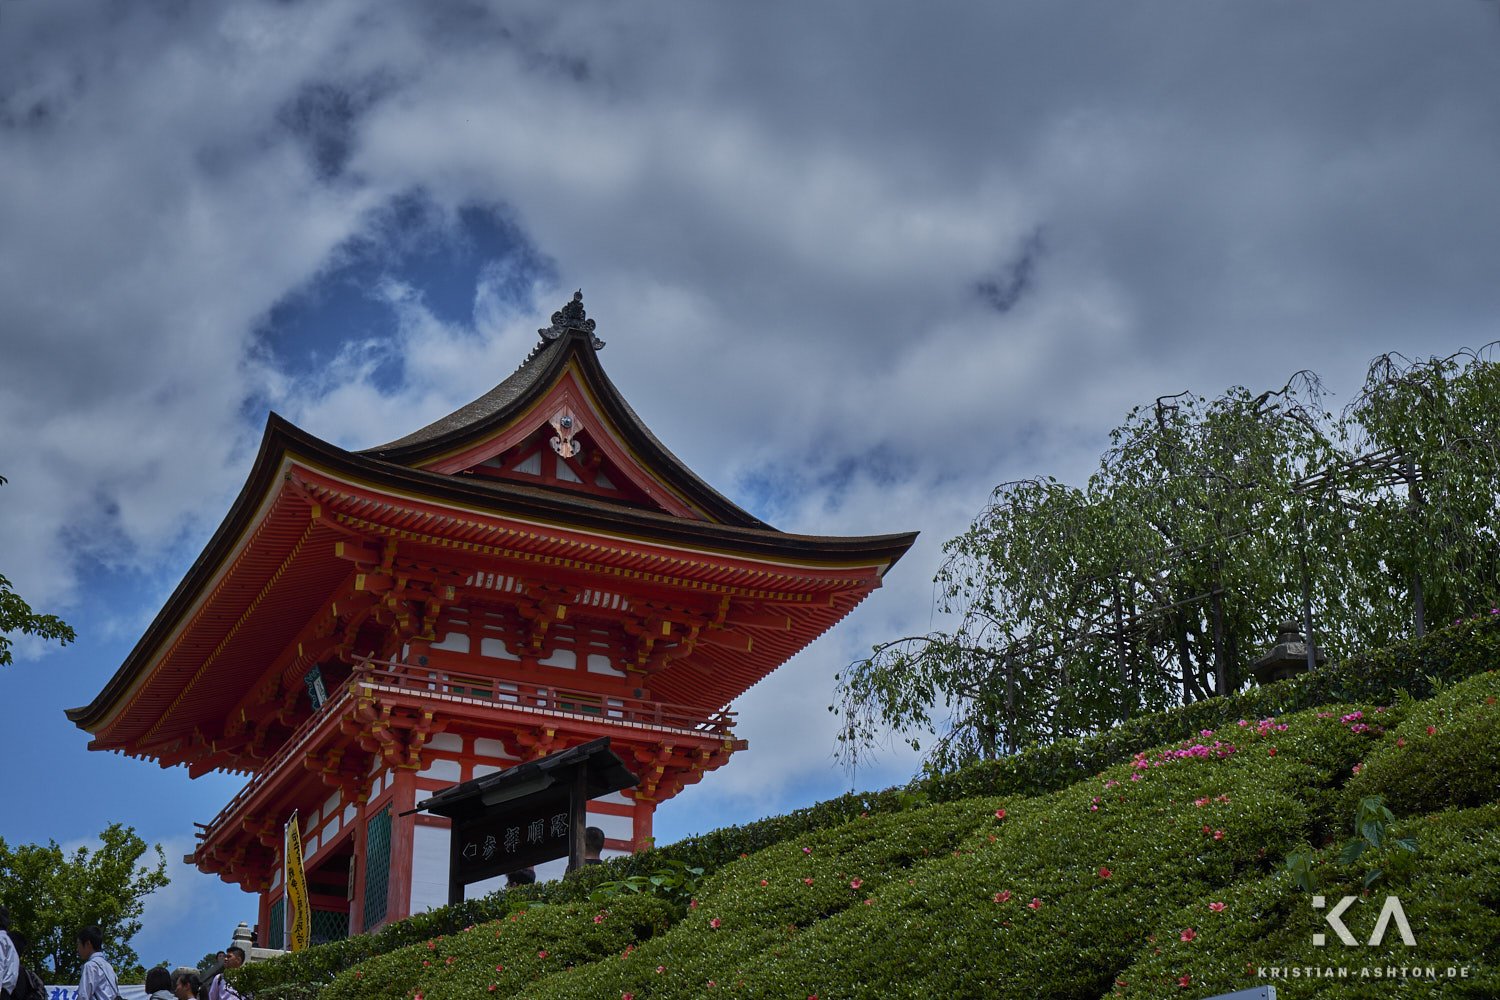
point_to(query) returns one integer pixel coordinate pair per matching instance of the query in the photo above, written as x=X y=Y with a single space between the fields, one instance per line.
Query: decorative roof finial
x=571 y=317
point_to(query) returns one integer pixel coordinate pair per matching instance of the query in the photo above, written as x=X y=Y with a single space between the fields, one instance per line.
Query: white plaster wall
x=484 y=747
x=457 y=642
x=441 y=769
x=429 y=868
x=495 y=648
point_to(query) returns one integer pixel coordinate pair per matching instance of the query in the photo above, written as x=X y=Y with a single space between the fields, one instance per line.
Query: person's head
x=19 y=941
x=4 y=918
x=522 y=876
x=234 y=957
x=90 y=940
x=593 y=842
x=158 y=979
x=187 y=986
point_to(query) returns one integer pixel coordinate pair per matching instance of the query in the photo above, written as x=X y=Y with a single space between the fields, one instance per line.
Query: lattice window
x=329 y=925
x=377 y=868
x=274 y=933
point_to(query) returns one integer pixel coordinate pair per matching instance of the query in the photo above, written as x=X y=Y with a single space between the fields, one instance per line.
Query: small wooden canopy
x=525 y=815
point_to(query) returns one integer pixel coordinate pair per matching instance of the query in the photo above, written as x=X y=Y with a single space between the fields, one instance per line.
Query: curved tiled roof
x=571 y=337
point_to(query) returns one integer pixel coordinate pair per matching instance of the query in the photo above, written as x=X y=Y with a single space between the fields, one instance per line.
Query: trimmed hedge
x=1106 y=861
x=1442 y=657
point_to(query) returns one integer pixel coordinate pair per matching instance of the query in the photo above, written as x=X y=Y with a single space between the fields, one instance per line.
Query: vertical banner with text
x=298 y=913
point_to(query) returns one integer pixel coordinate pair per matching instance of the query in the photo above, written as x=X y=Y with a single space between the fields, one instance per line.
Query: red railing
x=374 y=676
x=529 y=696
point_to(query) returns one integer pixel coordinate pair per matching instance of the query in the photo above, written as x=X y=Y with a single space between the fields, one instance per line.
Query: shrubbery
x=1119 y=837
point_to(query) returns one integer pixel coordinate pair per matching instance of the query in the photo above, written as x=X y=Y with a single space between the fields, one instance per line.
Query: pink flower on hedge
x=1431 y=730
x=1185 y=982
x=660 y=969
x=856 y=883
x=808 y=881
x=425 y=962
x=807 y=850
x=1035 y=904
x=714 y=923
x=431 y=945
x=1003 y=896
x=542 y=953
x=1358 y=768
x=499 y=968
x=1273 y=751
x=1105 y=873
x=999 y=813
x=763 y=882
x=693 y=905
x=1218 y=834
x=627 y=996
x=1189 y=934
x=1216 y=907
x=869 y=902
x=598 y=918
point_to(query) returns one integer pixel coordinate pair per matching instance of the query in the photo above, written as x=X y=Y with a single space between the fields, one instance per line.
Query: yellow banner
x=298 y=911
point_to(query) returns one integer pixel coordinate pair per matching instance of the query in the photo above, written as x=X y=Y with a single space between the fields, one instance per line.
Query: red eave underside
x=287 y=570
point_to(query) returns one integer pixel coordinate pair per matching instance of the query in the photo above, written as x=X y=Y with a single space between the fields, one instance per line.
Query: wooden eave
x=272 y=520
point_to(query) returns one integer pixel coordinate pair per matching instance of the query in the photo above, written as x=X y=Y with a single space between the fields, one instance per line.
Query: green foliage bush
x=1445 y=754
x=507 y=955
x=932 y=925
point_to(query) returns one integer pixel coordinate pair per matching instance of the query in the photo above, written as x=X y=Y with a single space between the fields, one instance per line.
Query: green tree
x=1207 y=523
x=16 y=616
x=51 y=895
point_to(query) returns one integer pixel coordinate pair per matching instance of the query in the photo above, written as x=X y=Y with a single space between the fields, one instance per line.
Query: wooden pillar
x=263 y=921
x=403 y=842
x=357 y=907
x=578 y=811
x=640 y=824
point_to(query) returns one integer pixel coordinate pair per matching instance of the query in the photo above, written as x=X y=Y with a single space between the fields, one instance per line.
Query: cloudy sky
x=856 y=263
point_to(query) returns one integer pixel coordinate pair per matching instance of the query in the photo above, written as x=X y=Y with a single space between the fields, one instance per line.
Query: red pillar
x=357 y=908
x=641 y=824
x=263 y=921
x=403 y=842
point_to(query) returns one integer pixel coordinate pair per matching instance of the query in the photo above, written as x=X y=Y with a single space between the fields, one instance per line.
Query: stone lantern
x=1287 y=657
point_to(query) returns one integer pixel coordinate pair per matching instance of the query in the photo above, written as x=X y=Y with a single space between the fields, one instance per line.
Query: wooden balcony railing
x=435 y=683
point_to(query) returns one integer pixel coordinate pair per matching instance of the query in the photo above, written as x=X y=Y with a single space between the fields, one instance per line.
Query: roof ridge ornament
x=571 y=317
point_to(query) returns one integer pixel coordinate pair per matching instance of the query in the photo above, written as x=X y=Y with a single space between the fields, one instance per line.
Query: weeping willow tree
x=1207 y=524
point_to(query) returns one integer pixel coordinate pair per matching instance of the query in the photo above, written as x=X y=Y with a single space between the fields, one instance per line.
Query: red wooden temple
x=531 y=572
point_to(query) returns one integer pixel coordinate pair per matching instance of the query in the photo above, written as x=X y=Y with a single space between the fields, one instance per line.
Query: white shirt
x=97 y=980
x=10 y=963
x=218 y=989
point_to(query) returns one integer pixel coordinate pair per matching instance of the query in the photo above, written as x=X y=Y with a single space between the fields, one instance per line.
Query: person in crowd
x=97 y=980
x=593 y=843
x=10 y=959
x=159 y=984
x=218 y=988
x=187 y=986
x=207 y=975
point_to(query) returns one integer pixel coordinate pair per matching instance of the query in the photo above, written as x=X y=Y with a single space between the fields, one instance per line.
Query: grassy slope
x=936 y=901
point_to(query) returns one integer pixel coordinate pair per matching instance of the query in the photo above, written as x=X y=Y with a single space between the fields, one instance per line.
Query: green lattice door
x=377 y=868
x=274 y=933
